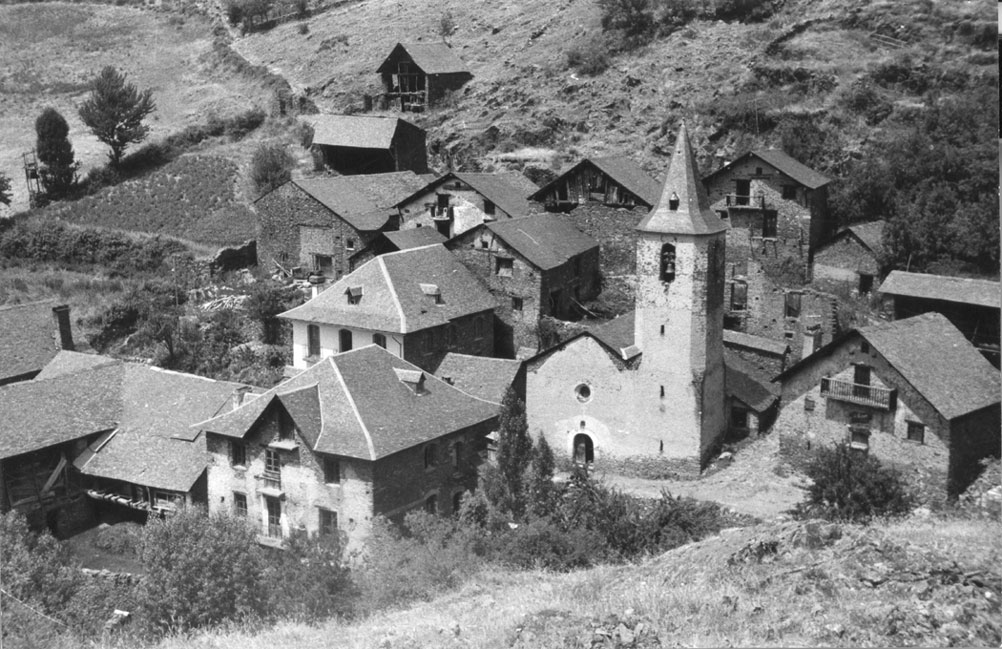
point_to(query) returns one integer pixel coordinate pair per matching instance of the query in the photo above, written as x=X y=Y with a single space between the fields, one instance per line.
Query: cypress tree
x=58 y=172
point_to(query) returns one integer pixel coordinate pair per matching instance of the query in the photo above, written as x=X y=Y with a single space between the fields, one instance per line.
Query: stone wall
x=427 y=347
x=844 y=260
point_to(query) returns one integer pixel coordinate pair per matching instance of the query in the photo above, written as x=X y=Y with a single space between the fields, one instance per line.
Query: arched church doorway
x=584 y=450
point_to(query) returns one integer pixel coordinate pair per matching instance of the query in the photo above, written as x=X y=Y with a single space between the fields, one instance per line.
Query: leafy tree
x=514 y=453
x=847 y=485
x=310 y=579
x=201 y=569
x=5 y=191
x=271 y=166
x=115 y=111
x=59 y=169
x=268 y=299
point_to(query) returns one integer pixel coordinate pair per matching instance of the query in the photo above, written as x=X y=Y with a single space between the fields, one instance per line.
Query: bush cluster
x=640 y=20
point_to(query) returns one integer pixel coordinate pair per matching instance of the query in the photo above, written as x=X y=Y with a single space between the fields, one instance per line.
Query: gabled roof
x=507 y=190
x=869 y=235
x=355 y=405
x=392 y=296
x=545 y=240
x=619 y=334
x=354 y=131
x=483 y=377
x=68 y=362
x=979 y=292
x=931 y=355
x=755 y=343
x=27 y=338
x=684 y=207
x=414 y=238
x=740 y=383
x=432 y=58
x=149 y=410
x=622 y=170
x=793 y=168
x=365 y=201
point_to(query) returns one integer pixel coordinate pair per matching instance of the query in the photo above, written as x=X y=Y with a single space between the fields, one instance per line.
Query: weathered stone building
x=852 y=258
x=417 y=75
x=534 y=266
x=357 y=435
x=395 y=241
x=365 y=144
x=913 y=393
x=30 y=336
x=616 y=181
x=972 y=305
x=419 y=304
x=457 y=201
x=660 y=392
x=320 y=223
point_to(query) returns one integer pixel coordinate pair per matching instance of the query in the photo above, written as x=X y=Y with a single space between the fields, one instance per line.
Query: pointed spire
x=684 y=207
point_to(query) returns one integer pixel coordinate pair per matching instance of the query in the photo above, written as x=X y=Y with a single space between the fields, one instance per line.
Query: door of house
x=865 y=283
x=584 y=449
x=274 y=506
x=742 y=191
x=324 y=264
x=769 y=224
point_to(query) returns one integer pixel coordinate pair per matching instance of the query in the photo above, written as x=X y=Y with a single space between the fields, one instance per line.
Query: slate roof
x=392 y=297
x=365 y=201
x=483 y=377
x=780 y=160
x=979 y=292
x=355 y=131
x=432 y=58
x=619 y=334
x=414 y=238
x=621 y=169
x=545 y=240
x=740 y=383
x=355 y=405
x=506 y=190
x=149 y=409
x=936 y=359
x=757 y=343
x=28 y=338
x=870 y=235
x=692 y=215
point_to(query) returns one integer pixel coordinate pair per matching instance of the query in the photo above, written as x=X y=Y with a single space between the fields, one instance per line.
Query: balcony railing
x=751 y=202
x=271 y=480
x=865 y=395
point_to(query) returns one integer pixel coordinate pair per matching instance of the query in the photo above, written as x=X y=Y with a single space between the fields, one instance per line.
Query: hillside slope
x=734 y=82
x=921 y=582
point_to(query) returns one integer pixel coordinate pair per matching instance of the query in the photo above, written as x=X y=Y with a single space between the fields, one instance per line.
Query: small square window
x=238 y=454
x=332 y=471
x=790 y=192
x=916 y=432
x=864 y=347
x=349 y=244
x=239 y=504
x=516 y=303
x=504 y=267
x=758 y=171
x=328 y=522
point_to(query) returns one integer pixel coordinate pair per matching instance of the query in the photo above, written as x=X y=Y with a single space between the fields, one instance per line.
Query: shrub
x=201 y=569
x=540 y=543
x=590 y=58
x=5 y=191
x=271 y=166
x=268 y=299
x=59 y=169
x=854 y=486
x=309 y=579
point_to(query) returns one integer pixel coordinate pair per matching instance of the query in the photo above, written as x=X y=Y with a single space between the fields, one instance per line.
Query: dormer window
x=673 y=202
x=413 y=379
x=433 y=291
x=667 y=263
x=354 y=294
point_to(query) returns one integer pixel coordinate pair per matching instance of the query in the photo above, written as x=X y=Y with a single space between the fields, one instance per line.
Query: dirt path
x=749 y=485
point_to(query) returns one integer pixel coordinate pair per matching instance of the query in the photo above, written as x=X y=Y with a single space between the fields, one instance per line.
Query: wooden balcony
x=738 y=201
x=864 y=395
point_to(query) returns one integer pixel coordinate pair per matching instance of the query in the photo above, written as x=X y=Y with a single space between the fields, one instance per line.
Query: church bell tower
x=679 y=391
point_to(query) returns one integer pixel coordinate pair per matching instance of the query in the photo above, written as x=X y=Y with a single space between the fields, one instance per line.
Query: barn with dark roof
x=367 y=144
x=914 y=393
x=416 y=75
x=613 y=180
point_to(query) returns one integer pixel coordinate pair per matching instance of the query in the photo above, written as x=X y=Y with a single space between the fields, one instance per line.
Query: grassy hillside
x=50 y=51
x=922 y=582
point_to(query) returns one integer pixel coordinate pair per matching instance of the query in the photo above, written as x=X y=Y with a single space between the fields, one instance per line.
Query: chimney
x=64 y=335
x=812 y=340
x=316 y=281
x=239 y=394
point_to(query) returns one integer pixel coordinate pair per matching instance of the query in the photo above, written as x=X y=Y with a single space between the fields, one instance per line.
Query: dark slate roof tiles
x=27 y=338
x=547 y=241
x=979 y=292
x=432 y=58
x=365 y=201
x=484 y=378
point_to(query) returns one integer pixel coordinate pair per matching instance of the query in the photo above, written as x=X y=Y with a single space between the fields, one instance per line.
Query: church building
x=655 y=392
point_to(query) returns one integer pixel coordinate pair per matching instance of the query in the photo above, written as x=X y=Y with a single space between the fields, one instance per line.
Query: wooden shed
x=418 y=74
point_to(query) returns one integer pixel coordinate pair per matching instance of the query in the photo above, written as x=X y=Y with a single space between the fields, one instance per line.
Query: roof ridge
x=393 y=290
x=354 y=409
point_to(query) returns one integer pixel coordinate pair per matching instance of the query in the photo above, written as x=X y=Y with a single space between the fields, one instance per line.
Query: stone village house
x=359 y=434
x=853 y=257
x=92 y=437
x=914 y=393
x=615 y=181
x=30 y=336
x=419 y=304
x=534 y=266
x=418 y=75
x=662 y=397
x=365 y=144
x=458 y=201
x=395 y=241
x=320 y=223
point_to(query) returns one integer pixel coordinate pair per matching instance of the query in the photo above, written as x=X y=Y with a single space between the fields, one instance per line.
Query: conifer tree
x=59 y=169
x=540 y=487
x=5 y=193
x=514 y=452
x=115 y=111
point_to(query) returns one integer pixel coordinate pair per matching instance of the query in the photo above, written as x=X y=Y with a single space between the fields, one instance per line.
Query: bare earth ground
x=50 y=51
x=748 y=486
